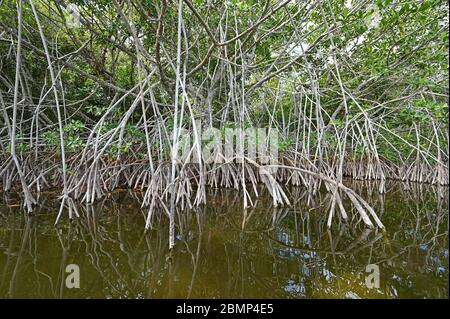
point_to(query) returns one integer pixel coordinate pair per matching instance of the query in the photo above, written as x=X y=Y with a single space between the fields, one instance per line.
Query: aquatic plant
x=97 y=95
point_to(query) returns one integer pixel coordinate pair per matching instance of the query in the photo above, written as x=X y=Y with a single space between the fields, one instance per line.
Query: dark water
x=223 y=252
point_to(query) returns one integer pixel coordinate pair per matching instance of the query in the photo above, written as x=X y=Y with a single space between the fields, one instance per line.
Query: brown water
x=222 y=251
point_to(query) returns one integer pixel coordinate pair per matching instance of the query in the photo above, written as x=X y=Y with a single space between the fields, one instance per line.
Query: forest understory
x=96 y=95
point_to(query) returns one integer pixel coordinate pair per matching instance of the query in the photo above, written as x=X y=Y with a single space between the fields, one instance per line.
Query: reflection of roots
x=296 y=232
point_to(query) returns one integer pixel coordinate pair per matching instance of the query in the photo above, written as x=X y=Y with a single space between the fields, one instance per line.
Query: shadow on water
x=223 y=251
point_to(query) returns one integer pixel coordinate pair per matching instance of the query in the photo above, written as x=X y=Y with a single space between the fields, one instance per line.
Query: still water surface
x=223 y=251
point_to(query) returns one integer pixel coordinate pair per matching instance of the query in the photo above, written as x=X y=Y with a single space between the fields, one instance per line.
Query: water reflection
x=223 y=251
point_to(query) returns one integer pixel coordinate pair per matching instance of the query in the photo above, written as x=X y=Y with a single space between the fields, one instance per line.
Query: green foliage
x=400 y=48
x=73 y=140
x=285 y=144
x=422 y=112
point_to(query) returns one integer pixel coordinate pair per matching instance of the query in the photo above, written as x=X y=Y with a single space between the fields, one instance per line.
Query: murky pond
x=223 y=251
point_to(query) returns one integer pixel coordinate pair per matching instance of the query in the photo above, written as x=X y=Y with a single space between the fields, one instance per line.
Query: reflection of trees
x=19 y=249
x=224 y=251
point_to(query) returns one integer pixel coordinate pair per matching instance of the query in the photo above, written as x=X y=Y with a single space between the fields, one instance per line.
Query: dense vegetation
x=93 y=94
